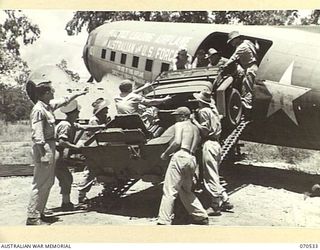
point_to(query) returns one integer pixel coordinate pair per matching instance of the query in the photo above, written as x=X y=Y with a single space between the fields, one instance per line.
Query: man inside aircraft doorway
x=183 y=60
x=246 y=55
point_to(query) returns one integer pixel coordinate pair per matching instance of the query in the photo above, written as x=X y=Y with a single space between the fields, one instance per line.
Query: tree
x=93 y=19
x=15 y=29
x=264 y=17
x=64 y=66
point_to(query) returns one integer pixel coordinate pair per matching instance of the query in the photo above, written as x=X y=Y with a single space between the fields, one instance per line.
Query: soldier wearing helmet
x=41 y=92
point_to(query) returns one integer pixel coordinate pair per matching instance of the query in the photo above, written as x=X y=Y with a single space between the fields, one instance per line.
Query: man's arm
x=37 y=120
x=155 y=101
x=66 y=144
x=147 y=85
x=176 y=144
x=203 y=124
x=69 y=99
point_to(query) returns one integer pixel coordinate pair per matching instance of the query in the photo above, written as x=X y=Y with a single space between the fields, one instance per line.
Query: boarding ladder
x=232 y=139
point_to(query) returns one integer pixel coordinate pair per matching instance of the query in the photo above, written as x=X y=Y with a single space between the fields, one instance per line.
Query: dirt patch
x=262 y=196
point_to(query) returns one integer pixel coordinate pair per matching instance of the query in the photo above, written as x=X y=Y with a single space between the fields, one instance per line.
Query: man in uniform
x=246 y=55
x=210 y=130
x=132 y=102
x=182 y=61
x=179 y=175
x=100 y=112
x=215 y=59
x=201 y=59
x=44 y=146
x=65 y=133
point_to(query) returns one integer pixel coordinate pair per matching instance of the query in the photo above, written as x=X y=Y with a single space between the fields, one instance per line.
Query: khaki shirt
x=245 y=53
x=209 y=119
x=130 y=104
x=43 y=120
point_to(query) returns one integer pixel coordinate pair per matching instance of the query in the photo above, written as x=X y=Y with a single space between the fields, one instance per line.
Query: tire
x=234 y=107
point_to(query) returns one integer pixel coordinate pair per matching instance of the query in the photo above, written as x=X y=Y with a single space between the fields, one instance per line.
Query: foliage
x=15 y=29
x=93 y=19
x=15 y=104
x=17 y=26
x=64 y=66
x=266 y=17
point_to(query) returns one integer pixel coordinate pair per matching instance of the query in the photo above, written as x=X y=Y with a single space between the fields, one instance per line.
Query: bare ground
x=262 y=195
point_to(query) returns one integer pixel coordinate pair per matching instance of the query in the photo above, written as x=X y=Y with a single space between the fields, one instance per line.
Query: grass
x=15 y=146
x=296 y=159
x=15 y=132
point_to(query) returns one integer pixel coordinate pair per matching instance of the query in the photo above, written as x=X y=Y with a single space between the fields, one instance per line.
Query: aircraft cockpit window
x=149 y=64
x=135 y=61
x=164 y=67
x=123 y=58
x=112 y=56
x=103 y=54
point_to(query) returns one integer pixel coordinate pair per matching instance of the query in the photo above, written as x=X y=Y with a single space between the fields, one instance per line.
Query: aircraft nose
x=85 y=57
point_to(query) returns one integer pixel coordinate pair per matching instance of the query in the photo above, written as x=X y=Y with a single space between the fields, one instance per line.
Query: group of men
x=191 y=132
x=51 y=143
x=245 y=55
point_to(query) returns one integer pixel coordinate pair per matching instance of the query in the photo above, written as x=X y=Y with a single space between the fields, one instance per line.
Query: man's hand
x=41 y=150
x=164 y=157
x=167 y=98
x=84 y=91
x=222 y=67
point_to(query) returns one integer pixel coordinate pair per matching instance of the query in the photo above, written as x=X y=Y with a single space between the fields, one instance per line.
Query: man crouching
x=179 y=175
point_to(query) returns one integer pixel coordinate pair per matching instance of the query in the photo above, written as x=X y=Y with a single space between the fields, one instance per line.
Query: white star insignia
x=283 y=95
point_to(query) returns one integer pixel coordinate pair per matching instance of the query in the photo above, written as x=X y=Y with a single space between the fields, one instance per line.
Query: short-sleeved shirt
x=209 y=118
x=43 y=120
x=130 y=104
x=245 y=53
x=65 y=131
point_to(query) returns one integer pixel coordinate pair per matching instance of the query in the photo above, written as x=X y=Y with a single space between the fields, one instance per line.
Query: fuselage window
x=123 y=58
x=149 y=64
x=164 y=67
x=112 y=56
x=103 y=54
x=135 y=61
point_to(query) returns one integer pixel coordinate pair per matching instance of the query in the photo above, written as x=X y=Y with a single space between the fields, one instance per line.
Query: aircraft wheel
x=234 y=107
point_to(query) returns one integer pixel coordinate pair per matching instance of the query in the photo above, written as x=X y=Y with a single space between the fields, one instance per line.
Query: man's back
x=190 y=135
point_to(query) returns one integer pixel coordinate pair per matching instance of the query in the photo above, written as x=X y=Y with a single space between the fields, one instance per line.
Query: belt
x=187 y=150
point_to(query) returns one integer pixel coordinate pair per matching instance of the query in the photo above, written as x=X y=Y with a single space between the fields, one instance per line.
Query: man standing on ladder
x=246 y=55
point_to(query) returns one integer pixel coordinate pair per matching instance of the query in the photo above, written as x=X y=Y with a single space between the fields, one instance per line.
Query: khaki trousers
x=211 y=155
x=63 y=174
x=248 y=83
x=43 y=179
x=178 y=180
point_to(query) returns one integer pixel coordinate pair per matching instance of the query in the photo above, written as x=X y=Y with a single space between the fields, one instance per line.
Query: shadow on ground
x=145 y=204
x=238 y=175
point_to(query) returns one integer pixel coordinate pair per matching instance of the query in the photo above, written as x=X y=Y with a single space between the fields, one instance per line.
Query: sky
x=54 y=44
